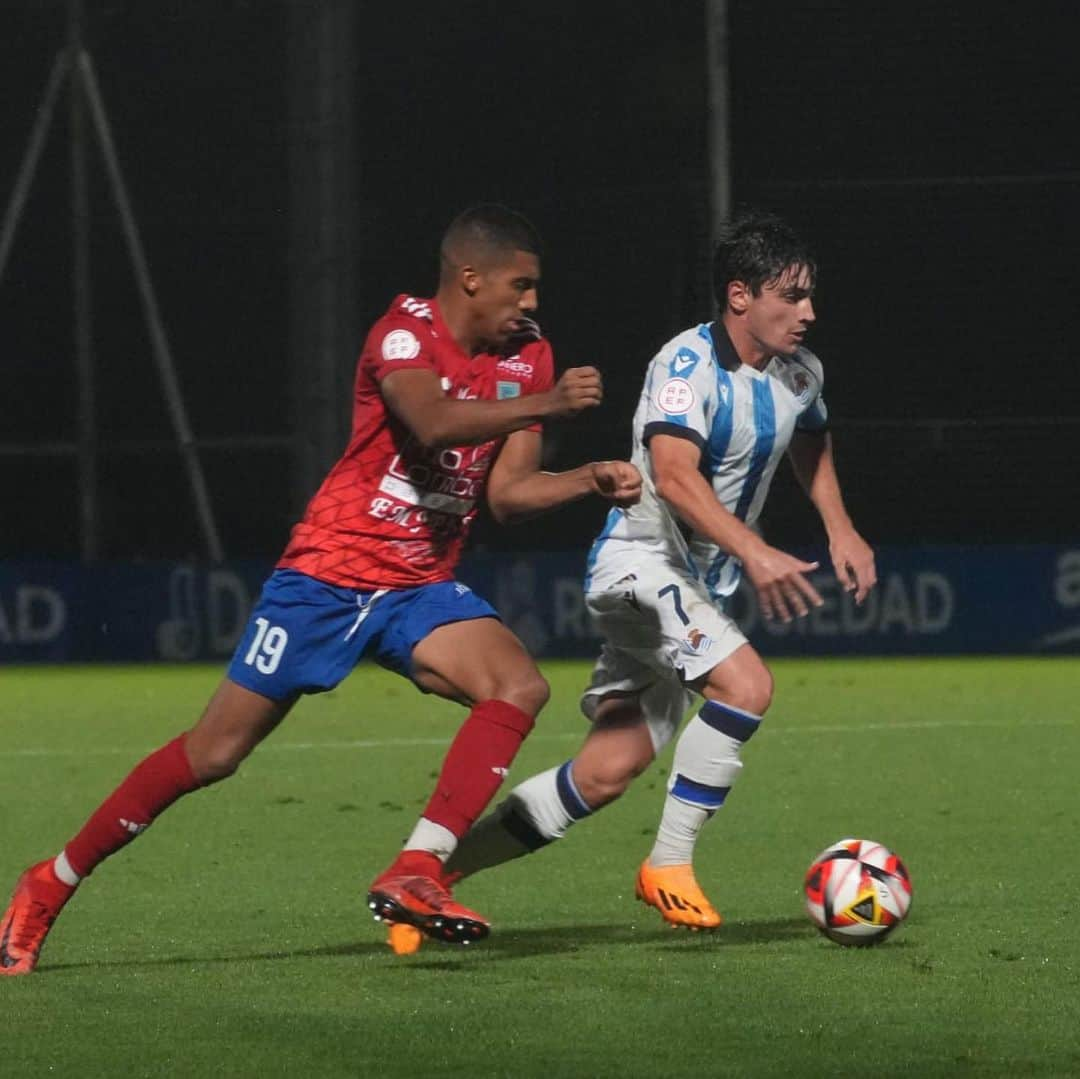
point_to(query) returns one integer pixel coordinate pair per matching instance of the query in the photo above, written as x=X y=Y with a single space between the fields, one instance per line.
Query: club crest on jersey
x=675 y=397
x=802 y=386
x=400 y=345
x=503 y=390
x=697 y=642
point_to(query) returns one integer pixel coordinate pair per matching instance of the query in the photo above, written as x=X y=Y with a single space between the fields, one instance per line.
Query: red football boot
x=405 y=939
x=38 y=898
x=407 y=894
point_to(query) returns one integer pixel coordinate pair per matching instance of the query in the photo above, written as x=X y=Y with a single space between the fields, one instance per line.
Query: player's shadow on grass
x=536 y=941
x=508 y=944
x=513 y=944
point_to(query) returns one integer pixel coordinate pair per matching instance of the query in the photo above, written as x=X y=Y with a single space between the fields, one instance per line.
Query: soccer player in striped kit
x=721 y=405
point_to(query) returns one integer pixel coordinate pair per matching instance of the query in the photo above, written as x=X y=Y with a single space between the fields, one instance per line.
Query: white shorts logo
x=675 y=397
x=400 y=345
x=697 y=642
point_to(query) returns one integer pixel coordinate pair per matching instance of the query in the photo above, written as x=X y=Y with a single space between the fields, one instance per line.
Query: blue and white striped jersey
x=741 y=419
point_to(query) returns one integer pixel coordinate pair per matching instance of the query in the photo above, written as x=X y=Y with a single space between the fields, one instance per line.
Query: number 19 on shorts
x=268 y=647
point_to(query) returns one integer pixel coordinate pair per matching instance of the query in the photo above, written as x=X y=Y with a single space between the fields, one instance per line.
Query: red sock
x=151 y=787
x=476 y=764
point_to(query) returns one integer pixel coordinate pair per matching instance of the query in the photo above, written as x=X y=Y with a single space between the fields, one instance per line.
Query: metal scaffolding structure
x=718 y=75
x=87 y=110
x=322 y=244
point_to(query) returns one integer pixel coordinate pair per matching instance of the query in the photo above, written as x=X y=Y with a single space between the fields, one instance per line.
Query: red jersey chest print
x=391 y=513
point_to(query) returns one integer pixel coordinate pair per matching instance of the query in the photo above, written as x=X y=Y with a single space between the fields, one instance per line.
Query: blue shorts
x=305 y=636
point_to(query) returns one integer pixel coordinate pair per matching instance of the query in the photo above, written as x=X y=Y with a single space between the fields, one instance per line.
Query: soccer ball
x=857 y=891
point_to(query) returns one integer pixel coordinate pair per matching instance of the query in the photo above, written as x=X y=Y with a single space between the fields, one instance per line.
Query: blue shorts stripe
x=698 y=794
x=730 y=721
x=573 y=803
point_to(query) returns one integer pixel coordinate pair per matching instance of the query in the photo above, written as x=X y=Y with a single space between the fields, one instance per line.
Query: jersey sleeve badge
x=675 y=397
x=400 y=345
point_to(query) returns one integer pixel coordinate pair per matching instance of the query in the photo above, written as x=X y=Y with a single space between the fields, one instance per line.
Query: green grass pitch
x=232 y=939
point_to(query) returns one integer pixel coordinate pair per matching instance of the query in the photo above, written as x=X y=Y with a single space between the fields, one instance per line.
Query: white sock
x=551 y=801
x=533 y=814
x=64 y=872
x=432 y=837
x=707 y=763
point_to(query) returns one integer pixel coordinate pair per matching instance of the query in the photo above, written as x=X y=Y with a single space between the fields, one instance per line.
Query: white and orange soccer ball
x=857 y=891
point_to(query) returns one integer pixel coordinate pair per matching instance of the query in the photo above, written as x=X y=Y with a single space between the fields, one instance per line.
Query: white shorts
x=661 y=630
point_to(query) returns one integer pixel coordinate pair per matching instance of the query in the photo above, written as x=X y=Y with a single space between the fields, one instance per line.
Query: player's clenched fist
x=579 y=388
x=617 y=481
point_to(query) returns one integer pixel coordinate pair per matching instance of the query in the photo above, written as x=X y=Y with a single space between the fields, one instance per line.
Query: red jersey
x=392 y=514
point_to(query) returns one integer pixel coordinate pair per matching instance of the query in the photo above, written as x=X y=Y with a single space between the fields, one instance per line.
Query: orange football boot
x=675 y=892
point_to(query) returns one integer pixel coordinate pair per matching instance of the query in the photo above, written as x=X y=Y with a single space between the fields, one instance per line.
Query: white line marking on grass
x=919 y=725
x=408 y=743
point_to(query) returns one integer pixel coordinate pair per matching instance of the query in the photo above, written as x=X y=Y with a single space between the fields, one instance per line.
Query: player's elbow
x=433 y=435
x=515 y=516
x=501 y=512
x=510 y=498
x=668 y=486
x=432 y=425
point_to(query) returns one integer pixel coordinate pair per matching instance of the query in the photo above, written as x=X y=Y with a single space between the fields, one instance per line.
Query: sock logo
x=133 y=826
x=504 y=772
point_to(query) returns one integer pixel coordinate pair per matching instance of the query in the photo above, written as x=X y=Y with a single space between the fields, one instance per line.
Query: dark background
x=929 y=152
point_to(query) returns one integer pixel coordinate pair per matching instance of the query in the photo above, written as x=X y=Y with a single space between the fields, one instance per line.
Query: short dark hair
x=756 y=247
x=486 y=230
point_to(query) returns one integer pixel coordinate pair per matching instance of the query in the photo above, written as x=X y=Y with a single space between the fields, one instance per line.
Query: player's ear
x=738 y=297
x=470 y=280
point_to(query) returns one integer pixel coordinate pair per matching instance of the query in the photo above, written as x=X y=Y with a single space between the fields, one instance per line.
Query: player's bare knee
x=211 y=764
x=753 y=695
x=752 y=691
x=529 y=692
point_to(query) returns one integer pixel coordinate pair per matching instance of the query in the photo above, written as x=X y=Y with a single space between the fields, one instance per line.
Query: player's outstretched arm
x=416 y=397
x=852 y=557
x=783 y=590
x=517 y=489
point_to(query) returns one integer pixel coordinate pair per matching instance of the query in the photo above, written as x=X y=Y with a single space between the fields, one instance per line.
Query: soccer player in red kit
x=449 y=397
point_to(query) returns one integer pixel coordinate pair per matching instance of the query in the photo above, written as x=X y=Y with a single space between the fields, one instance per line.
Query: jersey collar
x=726 y=355
x=723 y=349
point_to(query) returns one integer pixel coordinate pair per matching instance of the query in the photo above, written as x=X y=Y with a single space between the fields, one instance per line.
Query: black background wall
x=930 y=152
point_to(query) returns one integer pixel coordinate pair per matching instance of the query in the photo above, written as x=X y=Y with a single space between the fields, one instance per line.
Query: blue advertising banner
x=929 y=600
